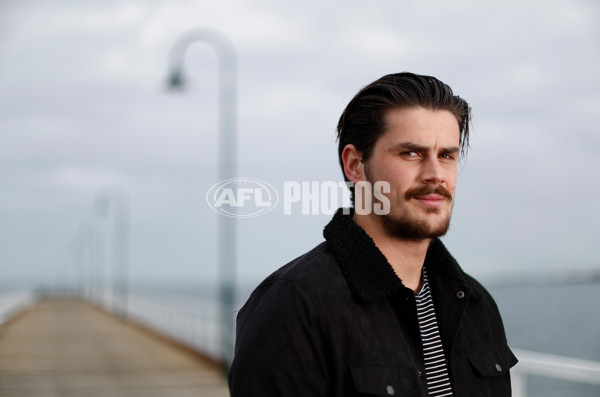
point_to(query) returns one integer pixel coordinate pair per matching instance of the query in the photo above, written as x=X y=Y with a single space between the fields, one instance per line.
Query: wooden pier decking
x=67 y=348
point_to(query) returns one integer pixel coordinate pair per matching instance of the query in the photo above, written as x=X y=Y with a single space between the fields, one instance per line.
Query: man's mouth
x=431 y=200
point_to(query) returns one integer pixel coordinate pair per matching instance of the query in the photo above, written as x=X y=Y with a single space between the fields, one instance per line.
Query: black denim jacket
x=337 y=321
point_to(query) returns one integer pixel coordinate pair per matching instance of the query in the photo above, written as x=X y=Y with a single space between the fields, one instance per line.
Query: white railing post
x=518 y=381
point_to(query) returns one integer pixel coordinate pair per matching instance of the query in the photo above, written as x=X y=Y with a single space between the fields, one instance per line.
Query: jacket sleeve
x=279 y=345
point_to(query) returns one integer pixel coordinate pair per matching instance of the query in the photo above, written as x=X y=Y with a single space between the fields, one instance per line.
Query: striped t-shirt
x=436 y=371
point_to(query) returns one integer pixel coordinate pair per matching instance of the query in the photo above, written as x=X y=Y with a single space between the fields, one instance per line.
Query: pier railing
x=12 y=302
x=551 y=366
x=191 y=322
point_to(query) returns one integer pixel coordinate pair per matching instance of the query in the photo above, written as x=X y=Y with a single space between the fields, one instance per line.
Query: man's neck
x=405 y=256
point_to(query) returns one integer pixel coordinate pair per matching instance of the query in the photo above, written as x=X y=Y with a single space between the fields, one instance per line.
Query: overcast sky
x=83 y=108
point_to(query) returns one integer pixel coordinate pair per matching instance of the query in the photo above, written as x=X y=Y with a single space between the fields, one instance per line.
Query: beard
x=407 y=226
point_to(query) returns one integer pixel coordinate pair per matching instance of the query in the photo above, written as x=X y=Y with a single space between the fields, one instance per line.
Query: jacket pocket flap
x=381 y=380
x=492 y=362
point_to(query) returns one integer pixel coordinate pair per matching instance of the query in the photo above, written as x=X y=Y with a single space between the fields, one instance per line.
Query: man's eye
x=409 y=153
x=448 y=156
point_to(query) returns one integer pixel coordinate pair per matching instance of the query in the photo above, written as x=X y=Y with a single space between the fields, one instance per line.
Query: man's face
x=417 y=155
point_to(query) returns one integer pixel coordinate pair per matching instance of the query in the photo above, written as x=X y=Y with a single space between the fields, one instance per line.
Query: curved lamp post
x=82 y=248
x=227 y=63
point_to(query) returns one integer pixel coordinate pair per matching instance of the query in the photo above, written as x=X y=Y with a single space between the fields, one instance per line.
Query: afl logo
x=242 y=197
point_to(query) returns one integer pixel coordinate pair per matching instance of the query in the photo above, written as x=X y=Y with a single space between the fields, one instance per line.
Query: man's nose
x=432 y=172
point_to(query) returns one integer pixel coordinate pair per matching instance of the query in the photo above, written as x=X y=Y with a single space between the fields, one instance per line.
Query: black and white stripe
x=436 y=371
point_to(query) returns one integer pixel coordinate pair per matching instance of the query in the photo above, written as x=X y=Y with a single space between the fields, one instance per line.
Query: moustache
x=424 y=190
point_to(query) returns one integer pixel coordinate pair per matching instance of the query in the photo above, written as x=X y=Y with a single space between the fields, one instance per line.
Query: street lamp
x=83 y=255
x=227 y=69
x=117 y=201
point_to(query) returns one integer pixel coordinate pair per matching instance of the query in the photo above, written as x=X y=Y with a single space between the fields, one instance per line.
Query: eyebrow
x=420 y=148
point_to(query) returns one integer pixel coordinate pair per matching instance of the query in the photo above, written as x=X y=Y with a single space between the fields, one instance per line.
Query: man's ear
x=354 y=168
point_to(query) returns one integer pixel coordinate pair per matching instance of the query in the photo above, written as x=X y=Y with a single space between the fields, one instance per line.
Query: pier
x=67 y=347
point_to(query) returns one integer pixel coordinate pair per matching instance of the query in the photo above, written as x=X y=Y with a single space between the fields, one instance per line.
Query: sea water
x=554 y=319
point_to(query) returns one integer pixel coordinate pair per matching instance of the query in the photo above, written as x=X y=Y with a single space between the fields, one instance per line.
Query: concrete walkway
x=67 y=348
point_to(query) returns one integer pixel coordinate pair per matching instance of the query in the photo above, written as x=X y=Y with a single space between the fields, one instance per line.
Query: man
x=381 y=307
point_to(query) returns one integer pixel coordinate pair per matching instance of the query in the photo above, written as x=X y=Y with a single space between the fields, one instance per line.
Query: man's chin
x=415 y=229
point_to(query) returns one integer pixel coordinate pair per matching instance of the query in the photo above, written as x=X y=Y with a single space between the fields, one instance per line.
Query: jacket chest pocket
x=492 y=362
x=484 y=372
x=382 y=380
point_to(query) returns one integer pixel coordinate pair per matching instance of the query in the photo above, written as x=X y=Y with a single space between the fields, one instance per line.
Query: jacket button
x=419 y=373
x=390 y=390
x=498 y=368
x=460 y=294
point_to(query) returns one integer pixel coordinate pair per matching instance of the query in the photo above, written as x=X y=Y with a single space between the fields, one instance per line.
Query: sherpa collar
x=367 y=271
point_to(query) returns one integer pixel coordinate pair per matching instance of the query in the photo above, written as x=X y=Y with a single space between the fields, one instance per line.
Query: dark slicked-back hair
x=363 y=121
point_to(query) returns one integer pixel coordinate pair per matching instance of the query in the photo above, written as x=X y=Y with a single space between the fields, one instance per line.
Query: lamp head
x=176 y=81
